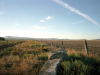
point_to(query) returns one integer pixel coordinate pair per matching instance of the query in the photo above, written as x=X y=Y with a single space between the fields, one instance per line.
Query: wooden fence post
x=62 y=45
x=46 y=42
x=51 y=42
x=6 y=44
x=86 y=48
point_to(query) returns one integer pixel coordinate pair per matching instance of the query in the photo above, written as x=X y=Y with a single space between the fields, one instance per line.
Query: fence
x=88 y=46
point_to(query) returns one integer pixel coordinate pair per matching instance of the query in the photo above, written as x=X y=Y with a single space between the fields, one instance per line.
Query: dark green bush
x=79 y=64
x=31 y=52
x=4 y=53
x=42 y=57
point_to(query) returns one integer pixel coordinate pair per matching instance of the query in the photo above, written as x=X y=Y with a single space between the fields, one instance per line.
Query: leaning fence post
x=86 y=48
x=62 y=44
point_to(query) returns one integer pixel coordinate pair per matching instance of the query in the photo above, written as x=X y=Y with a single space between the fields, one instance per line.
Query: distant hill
x=97 y=39
x=27 y=38
x=17 y=38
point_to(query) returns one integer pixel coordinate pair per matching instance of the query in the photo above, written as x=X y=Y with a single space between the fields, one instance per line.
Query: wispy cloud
x=16 y=24
x=76 y=11
x=49 y=17
x=78 y=22
x=42 y=21
x=1 y=12
x=38 y=27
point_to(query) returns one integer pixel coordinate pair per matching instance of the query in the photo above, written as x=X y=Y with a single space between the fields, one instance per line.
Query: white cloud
x=78 y=22
x=76 y=11
x=49 y=17
x=1 y=12
x=38 y=27
x=16 y=24
x=42 y=21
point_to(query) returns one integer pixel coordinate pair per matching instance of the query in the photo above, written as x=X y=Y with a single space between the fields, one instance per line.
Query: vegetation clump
x=16 y=51
x=1 y=38
x=80 y=64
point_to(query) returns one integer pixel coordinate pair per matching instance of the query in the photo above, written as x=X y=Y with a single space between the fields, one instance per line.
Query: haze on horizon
x=71 y=19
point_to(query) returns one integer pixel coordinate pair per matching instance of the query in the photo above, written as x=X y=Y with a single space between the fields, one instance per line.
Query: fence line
x=50 y=42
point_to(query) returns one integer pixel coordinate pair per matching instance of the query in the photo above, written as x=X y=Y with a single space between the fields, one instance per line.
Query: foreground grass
x=23 y=59
x=80 y=64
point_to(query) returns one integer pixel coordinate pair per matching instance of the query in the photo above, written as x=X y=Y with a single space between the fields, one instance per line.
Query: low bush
x=42 y=56
x=31 y=52
x=16 y=51
x=25 y=55
x=4 y=53
x=79 y=64
x=16 y=58
x=10 y=49
x=46 y=49
x=39 y=48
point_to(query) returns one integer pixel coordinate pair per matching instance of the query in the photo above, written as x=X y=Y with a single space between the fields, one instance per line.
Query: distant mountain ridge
x=27 y=38
x=17 y=38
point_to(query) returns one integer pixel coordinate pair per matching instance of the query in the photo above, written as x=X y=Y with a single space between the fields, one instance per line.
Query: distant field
x=6 y=44
x=78 y=45
x=9 y=42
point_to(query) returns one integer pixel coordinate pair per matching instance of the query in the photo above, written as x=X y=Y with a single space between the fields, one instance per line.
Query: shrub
x=39 y=48
x=99 y=70
x=10 y=49
x=89 y=60
x=16 y=51
x=79 y=64
x=67 y=67
x=31 y=52
x=25 y=55
x=45 y=49
x=16 y=58
x=2 y=38
x=13 y=52
x=4 y=53
x=42 y=57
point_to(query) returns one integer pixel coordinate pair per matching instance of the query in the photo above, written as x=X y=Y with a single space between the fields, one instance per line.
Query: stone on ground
x=59 y=54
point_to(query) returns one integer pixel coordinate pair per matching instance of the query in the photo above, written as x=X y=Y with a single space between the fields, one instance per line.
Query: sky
x=63 y=19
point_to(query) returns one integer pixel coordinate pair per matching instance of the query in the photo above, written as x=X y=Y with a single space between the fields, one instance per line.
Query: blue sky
x=71 y=19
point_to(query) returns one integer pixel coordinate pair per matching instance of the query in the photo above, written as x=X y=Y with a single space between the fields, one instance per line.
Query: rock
x=50 y=67
x=54 y=60
x=59 y=54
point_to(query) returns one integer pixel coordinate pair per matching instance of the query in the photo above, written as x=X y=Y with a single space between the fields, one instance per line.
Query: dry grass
x=15 y=65
x=24 y=59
